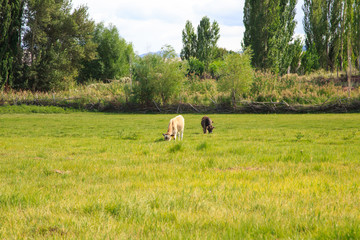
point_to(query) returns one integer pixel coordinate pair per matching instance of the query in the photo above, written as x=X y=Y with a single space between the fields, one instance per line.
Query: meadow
x=81 y=175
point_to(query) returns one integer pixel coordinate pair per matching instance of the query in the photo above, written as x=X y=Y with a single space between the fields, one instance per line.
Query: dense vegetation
x=272 y=44
x=332 y=29
x=48 y=47
x=318 y=89
x=91 y=176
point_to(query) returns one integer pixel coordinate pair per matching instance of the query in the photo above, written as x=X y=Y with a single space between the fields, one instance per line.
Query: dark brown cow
x=206 y=124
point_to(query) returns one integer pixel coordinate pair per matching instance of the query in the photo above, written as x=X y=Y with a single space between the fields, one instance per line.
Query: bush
x=214 y=68
x=196 y=67
x=310 y=61
x=236 y=74
x=157 y=79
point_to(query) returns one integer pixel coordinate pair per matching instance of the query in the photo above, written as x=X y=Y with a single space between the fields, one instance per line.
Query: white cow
x=176 y=127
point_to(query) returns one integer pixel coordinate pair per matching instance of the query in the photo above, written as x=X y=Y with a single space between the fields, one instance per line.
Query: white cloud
x=233 y=37
x=149 y=35
x=151 y=24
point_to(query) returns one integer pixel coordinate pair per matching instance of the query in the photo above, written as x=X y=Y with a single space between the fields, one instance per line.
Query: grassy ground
x=95 y=176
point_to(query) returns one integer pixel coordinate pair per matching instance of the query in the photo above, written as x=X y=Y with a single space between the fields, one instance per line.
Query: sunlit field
x=111 y=176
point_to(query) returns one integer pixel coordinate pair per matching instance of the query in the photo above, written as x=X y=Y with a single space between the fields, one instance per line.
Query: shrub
x=236 y=75
x=214 y=68
x=196 y=67
x=157 y=78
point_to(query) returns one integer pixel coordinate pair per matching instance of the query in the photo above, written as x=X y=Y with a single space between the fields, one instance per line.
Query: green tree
x=254 y=36
x=189 y=42
x=220 y=53
x=319 y=16
x=168 y=81
x=10 y=31
x=296 y=53
x=310 y=60
x=196 y=67
x=335 y=35
x=236 y=75
x=207 y=37
x=57 y=40
x=113 y=58
x=218 y=59
x=157 y=77
x=269 y=27
x=331 y=27
x=349 y=32
x=168 y=75
x=144 y=88
x=202 y=45
x=357 y=31
x=167 y=52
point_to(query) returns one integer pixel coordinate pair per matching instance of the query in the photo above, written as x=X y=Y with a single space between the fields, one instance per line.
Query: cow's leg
x=182 y=134
x=175 y=136
x=203 y=126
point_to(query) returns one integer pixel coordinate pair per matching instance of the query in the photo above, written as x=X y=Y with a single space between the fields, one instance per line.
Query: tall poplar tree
x=349 y=28
x=335 y=35
x=357 y=31
x=203 y=44
x=269 y=28
x=255 y=35
x=207 y=37
x=323 y=25
x=189 y=42
x=10 y=31
x=331 y=28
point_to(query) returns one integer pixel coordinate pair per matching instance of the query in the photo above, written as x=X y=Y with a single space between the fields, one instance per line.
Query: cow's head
x=168 y=137
x=210 y=128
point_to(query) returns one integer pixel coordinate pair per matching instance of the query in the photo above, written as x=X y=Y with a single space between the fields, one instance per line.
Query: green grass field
x=111 y=176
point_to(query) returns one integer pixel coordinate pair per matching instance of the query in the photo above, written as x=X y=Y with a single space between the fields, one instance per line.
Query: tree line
x=332 y=35
x=46 y=45
x=332 y=38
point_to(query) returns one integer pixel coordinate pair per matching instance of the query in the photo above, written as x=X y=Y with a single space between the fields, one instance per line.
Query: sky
x=151 y=24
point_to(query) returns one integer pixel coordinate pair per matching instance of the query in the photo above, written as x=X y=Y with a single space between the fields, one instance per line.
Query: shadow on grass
x=176 y=148
x=160 y=139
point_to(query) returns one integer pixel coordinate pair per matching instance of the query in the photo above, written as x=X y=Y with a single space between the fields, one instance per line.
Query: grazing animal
x=206 y=124
x=176 y=127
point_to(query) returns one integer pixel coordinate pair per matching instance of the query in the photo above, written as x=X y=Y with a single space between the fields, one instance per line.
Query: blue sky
x=149 y=25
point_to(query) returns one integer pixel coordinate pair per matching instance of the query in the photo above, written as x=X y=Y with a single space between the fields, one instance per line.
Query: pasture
x=111 y=176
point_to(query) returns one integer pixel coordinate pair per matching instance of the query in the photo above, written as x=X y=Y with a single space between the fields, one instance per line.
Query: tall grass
x=309 y=89
x=294 y=89
x=82 y=95
x=93 y=175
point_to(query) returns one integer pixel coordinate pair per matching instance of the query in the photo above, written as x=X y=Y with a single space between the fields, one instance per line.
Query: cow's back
x=179 y=123
x=206 y=121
